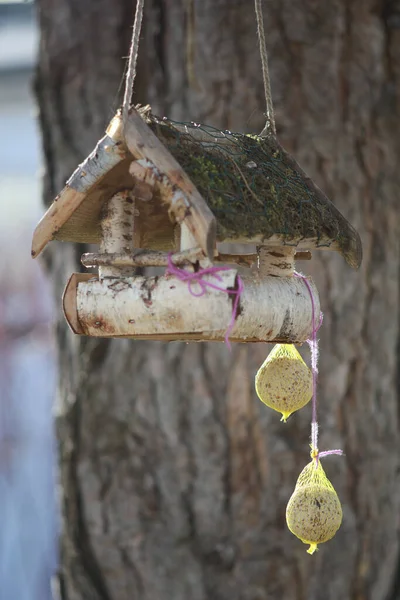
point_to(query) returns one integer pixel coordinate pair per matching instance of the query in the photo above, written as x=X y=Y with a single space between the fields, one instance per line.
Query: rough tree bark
x=174 y=476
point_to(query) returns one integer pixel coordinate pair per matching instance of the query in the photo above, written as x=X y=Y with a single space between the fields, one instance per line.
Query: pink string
x=196 y=278
x=329 y=452
x=313 y=344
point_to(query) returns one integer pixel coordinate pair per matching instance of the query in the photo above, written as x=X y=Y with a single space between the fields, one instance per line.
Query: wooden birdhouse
x=155 y=192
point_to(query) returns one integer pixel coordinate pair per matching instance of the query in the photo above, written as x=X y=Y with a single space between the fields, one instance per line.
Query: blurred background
x=185 y=473
x=28 y=524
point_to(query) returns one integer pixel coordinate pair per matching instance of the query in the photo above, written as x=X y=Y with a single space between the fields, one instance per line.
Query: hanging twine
x=133 y=56
x=196 y=279
x=270 y=124
x=134 y=50
x=314 y=349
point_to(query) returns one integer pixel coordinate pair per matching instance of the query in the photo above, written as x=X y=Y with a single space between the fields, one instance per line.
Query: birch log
x=117 y=226
x=278 y=261
x=272 y=309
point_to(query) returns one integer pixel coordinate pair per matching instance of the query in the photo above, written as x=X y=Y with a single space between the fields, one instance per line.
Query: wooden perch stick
x=151 y=258
x=141 y=258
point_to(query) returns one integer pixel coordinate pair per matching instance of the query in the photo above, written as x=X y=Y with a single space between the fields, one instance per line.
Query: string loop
x=313 y=344
x=134 y=50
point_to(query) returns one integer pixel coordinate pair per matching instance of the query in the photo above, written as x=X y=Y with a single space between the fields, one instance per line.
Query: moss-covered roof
x=256 y=189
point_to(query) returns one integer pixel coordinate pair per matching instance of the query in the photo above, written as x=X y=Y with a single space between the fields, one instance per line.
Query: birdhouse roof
x=256 y=190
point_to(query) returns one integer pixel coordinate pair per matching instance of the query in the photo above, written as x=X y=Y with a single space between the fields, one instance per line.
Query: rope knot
x=197 y=278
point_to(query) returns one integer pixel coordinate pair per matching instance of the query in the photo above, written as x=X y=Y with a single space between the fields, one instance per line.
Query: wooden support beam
x=278 y=261
x=141 y=258
x=152 y=258
x=117 y=226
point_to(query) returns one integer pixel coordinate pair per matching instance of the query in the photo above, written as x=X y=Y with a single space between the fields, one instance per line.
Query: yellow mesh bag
x=314 y=512
x=284 y=382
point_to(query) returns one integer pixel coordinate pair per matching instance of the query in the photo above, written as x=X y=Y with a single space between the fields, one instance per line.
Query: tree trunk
x=175 y=478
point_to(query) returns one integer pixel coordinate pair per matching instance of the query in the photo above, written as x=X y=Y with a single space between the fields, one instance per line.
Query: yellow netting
x=284 y=382
x=314 y=512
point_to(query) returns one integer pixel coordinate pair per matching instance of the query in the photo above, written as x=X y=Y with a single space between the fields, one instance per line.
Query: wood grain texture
x=69 y=301
x=270 y=309
x=117 y=228
x=185 y=203
x=174 y=477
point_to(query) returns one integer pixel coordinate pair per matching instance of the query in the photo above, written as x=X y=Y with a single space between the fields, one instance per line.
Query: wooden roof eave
x=122 y=141
x=108 y=153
